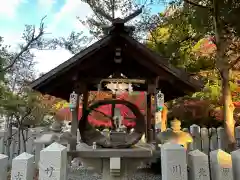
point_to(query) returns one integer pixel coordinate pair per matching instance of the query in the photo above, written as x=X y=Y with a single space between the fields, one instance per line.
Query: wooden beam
x=136 y=81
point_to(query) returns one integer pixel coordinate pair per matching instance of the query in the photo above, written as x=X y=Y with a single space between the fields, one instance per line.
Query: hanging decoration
x=119 y=87
x=159 y=101
x=73 y=101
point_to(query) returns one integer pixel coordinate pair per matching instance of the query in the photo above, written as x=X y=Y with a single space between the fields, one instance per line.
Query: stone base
x=83 y=173
x=118 y=137
x=114 y=163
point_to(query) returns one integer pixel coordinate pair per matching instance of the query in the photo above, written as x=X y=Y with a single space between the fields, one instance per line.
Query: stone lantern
x=175 y=135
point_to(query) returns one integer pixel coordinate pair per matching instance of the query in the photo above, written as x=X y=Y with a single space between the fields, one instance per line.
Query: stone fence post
x=221 y=138
x=195 y=132
x=3 y=166
x=213 y=139
x=174 y=165
x=205 y=140
x=198 y=166
x=53 y=162
x=23 y=167
x=236 y=164
x=221 y=165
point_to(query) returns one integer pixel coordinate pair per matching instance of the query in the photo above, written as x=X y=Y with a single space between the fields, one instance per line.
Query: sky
x=60 y=22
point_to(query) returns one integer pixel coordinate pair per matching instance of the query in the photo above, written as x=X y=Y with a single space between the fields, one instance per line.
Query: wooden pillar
x=153 y=93
x=164 y=119
x=85 y=99
x=149 y=119
x=74 y=122
x=80 y=88
x=153 y=120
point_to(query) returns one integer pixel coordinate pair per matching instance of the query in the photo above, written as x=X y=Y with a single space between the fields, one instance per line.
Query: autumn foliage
x=201 y=112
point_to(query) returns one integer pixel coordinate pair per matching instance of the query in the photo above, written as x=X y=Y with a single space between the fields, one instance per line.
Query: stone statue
x=67 y=138
x=117 y=122
x=175 y=135
x=56 y=126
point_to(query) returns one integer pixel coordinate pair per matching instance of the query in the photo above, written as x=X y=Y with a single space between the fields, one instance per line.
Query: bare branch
x=100 y=11
x=25 y=48
x=133 y=15
x=28 y=112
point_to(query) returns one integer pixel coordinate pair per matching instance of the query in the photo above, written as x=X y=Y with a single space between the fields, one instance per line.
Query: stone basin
x=114 y=163
x=138 y=151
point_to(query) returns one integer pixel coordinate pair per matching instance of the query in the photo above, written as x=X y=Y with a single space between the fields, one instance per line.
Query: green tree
x=220 y=19
x=197 y=20
x=18 y=104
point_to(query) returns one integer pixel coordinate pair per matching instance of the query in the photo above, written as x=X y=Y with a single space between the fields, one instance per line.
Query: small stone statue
x=175 y=135
x=56 y=126
x=67 y=137
x=118 y=123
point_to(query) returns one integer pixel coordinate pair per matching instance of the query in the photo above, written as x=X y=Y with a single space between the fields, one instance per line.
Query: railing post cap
x=171 y=146
x=54 y=147
x=3 y=156
x=196 y=153
x=24 y=156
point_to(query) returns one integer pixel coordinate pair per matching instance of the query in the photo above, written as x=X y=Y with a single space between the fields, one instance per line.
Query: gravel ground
x=85 y=174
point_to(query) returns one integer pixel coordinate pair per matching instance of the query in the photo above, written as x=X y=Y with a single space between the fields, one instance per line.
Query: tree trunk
x=9 y=135
x=223 y=67
x=24 y=140
x=228 y=109
x=19 y=141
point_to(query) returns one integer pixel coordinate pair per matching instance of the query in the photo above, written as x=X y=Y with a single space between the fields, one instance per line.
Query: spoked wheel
x=89 y=134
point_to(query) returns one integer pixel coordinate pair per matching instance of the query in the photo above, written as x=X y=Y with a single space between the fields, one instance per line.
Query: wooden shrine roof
x=97 y=62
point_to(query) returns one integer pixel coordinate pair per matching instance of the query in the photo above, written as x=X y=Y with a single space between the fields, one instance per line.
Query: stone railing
x=33 y=135
x=207 y=140
x=52 y=165
x=176 y=164
x=195 y=165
